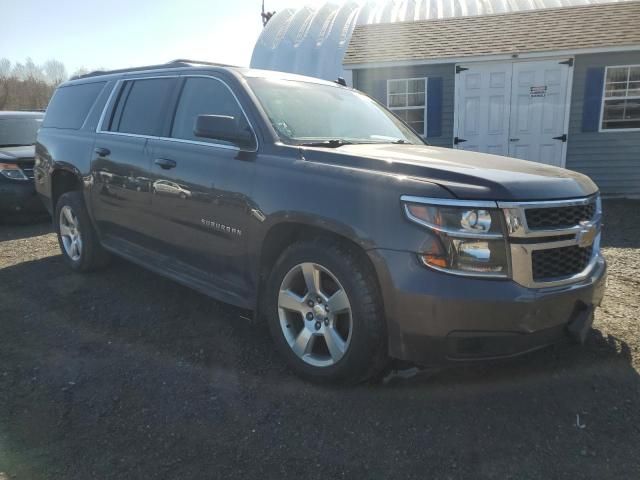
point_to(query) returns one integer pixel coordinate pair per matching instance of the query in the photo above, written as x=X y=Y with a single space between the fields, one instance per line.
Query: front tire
x=78 y=240
x=325 y=314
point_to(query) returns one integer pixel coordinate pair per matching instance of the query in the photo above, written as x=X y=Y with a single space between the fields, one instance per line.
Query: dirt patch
x=123 y=374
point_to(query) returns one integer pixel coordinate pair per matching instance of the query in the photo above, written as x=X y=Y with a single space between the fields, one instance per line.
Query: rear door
x=122 y=160
x=200 y=188
x=483 y=102
x=538 y=106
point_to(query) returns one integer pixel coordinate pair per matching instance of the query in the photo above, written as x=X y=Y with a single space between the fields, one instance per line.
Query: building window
x=621 y=99
x=407 y=99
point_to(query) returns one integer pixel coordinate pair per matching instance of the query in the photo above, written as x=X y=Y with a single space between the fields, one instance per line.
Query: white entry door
x=534 y=109
x=484 y=95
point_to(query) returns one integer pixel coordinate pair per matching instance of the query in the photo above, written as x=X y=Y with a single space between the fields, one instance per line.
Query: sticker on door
x=539 y=91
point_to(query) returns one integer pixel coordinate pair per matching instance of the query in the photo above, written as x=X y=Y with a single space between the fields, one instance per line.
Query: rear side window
x=70 y=105
x=204 y=96
x=141 y=107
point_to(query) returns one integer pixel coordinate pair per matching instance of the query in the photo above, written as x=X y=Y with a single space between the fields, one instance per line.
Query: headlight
x=12 y=171
x=468 y=236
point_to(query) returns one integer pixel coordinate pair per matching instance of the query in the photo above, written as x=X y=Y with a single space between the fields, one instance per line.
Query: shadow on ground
x=621 y=226
x=17 y=229
x=123 y=374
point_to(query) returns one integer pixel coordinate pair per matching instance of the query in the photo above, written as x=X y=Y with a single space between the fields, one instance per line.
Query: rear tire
x=78 y=240
x=348 y=343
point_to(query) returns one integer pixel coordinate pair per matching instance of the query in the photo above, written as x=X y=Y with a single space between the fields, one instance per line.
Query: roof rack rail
x=21 y=109
x=199 y=62
x=180 y=62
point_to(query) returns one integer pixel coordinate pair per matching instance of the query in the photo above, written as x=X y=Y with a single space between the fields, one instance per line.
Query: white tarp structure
x=312 y=41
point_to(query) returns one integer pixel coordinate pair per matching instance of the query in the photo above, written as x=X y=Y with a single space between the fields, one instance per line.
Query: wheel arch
x=64 y=179
x=284 y=234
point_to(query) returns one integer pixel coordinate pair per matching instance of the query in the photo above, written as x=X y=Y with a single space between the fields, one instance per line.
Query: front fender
x=361 y=205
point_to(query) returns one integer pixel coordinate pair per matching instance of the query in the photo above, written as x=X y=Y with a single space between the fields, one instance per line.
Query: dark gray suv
x=17 y=138
x=315 y=207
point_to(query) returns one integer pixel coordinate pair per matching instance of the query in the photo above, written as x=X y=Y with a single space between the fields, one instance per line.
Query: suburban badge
x=220 y=227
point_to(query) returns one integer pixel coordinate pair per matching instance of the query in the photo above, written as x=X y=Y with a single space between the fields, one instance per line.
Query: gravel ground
x=122 y=374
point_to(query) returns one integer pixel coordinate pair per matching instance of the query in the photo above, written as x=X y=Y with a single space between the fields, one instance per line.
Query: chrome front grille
x=553 y=243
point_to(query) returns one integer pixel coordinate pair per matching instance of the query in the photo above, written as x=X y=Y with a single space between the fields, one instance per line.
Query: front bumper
x=435 y=317
x=17 y=197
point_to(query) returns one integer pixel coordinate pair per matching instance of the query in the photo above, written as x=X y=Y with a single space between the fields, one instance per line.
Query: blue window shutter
x=380 y=90
x=434 y=107
x=594 y=80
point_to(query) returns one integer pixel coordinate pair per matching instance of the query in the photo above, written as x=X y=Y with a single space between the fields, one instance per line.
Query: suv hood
x=13 y=154
x=467 y=175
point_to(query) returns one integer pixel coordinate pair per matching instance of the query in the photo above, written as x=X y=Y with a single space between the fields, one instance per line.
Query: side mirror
x=222 y=127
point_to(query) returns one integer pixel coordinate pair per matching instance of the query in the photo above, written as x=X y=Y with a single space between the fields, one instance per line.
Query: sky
x=123 y=33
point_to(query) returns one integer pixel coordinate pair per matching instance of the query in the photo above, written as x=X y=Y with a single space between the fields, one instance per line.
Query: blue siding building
x=559 y=86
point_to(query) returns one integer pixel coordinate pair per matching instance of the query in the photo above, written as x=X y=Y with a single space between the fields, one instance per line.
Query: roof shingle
x=568 y=28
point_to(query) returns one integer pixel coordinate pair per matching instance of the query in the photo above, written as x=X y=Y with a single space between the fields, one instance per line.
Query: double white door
x=517 y=109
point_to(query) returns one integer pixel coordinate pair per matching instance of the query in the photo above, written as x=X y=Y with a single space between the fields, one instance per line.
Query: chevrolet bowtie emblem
x=587 y=234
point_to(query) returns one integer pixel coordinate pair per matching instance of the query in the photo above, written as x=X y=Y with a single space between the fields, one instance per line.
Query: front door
x=516 y=109
x=200 y=189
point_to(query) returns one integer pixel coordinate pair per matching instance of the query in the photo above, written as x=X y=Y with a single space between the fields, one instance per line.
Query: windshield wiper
x=334 y=143
x=16 y=145
x=338 y=142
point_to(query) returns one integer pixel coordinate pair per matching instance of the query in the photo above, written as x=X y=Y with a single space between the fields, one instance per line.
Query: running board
x=177 y=271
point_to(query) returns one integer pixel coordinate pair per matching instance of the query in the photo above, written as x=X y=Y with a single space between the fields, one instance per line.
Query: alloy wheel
x=70 y=233
x=315 y=314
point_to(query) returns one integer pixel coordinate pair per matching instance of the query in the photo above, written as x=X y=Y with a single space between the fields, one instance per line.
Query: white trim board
x=492 y=58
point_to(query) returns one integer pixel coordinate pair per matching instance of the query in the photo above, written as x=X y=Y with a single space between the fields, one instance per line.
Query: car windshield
x=313 y=113
x=18 y=131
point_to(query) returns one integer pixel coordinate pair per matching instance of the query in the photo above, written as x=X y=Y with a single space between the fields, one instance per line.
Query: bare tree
x=18 y=71
x=55 y=72
x=80 y=71
x=5 y=74
x=33 y=71
x=24 y=86
x=29 y=86
x=5 y=67
x=28 y=71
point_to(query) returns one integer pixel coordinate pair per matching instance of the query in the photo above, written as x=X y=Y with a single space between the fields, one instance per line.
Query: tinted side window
x=70 y=105
x=144 y=106
x=204 y=96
